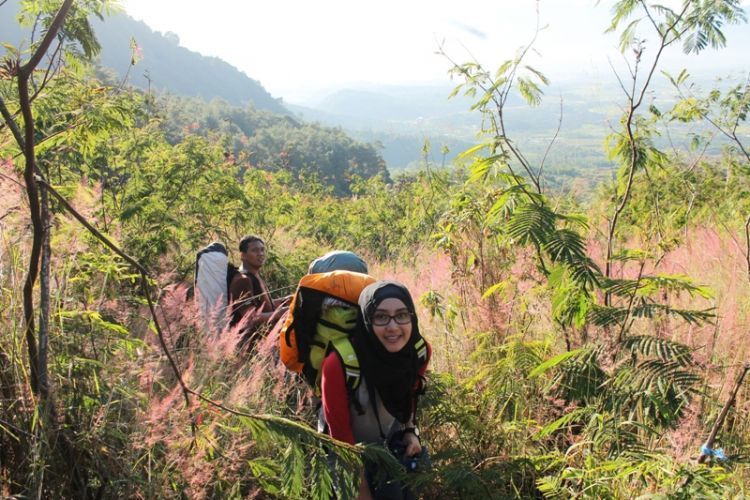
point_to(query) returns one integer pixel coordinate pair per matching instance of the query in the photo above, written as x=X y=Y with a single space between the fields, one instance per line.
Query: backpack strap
x=349 y=361
x=334 y=326
x=345 y=351
x=421 y=348
x=258 y=292
x=257 y=288
x=231 y=271
x=374 y=401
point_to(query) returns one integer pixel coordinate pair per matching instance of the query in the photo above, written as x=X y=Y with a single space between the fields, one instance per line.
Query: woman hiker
x=393 y=358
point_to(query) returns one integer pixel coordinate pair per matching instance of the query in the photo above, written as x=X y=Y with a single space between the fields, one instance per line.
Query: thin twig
x=17 y=429
x=629 y=311
x=12 y=124
x=634 y=156
x=723 y=414
x=51 y=70
x=552 y=142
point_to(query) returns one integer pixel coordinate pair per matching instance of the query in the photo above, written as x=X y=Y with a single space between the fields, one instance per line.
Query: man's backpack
x=338 y=260
x=320 y=320
x=211 y=290
x=213 y=276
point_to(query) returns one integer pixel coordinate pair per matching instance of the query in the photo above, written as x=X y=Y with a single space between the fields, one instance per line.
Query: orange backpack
x=301 y=331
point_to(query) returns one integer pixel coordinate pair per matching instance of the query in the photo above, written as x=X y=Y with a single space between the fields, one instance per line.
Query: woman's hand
x=413 y=447
x=364 y=490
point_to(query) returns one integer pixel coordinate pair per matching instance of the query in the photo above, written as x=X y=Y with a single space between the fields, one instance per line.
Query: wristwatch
x=411 y=430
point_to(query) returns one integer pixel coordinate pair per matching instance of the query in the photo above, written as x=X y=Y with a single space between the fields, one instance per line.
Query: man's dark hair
x=245 y=242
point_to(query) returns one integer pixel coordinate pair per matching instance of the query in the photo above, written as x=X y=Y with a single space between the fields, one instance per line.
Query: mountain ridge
x=163 y=65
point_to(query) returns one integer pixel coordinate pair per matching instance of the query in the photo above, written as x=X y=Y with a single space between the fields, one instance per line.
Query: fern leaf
x=532 y=223
x=664 y=349
x=561 y=422
x=555 y=361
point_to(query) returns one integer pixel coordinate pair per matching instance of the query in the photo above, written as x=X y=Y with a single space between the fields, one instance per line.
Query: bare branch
x=44 y=302
x=32 y=192
x=11 y=179
x=49 y=72
x=631 y=302
x=651 y=18
x=617 y=75
x=633 y=160
x=554 y=138
x=723 y=414
x=664 y=44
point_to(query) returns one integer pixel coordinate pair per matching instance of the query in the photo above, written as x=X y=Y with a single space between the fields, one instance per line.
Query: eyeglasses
x=382 y=319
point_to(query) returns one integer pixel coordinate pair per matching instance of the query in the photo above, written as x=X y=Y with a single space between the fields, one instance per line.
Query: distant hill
x=164 y=66
x=402 y=119
x=176 y=69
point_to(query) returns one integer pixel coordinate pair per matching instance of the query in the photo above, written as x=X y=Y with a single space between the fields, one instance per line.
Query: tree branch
x=552 y=142
x=12 y=124
x=724 y=411
x=633 y=160
x=25 y=71
x=145 y=279
x=147 y=292
x=32 y=191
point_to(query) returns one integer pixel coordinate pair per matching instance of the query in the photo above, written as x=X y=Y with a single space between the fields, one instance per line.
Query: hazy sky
x=295 y=47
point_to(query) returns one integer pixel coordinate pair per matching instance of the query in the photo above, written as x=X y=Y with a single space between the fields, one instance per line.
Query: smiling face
x=392 y=335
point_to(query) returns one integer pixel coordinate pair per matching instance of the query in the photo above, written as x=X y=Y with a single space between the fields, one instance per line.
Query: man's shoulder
x=240 y=282
x=246 y=278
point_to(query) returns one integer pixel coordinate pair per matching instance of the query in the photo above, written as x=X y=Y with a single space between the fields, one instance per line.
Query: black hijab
x=393 y=374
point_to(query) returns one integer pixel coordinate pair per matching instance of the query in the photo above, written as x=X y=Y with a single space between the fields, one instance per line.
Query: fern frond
x=607 y=315
x=564 y=421
x=586 y=272
x=532 y=224
x=654 y=375
x=692 y=316
x=672 y=283
x=620 y=287
x=565 y=245
x=555 y=361
x=297 y=447
x=580 y=377
x=505 y=203
x=530 y=91
x=664 y=349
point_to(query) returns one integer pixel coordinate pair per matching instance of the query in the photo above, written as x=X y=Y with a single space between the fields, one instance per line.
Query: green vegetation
x=583 y=346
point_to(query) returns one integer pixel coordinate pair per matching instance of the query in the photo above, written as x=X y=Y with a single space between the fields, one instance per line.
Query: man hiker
x=248 y=293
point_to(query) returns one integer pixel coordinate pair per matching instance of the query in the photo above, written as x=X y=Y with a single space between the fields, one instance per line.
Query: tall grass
x=496 y=425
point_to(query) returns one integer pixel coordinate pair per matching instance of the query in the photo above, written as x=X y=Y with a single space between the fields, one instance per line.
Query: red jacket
x=337 y=408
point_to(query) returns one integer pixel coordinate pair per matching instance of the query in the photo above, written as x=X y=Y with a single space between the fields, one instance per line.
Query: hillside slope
x=164 y=65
